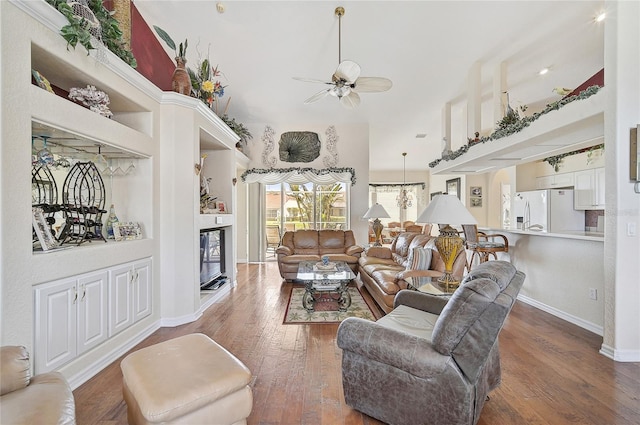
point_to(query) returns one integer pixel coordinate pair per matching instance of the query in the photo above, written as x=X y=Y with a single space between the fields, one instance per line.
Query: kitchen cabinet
x=589 y=189
x=129 y=295
x=555 y=181
x=70 y=318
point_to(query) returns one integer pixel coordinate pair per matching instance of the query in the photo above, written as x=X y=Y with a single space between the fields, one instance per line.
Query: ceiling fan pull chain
x=339 y=11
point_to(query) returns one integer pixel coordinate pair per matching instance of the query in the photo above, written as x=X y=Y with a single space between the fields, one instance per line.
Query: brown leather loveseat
x=311 y=245
x=382 y=270
x=26 y=399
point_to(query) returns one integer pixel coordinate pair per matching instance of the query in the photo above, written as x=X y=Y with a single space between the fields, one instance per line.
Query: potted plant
x=180 y=81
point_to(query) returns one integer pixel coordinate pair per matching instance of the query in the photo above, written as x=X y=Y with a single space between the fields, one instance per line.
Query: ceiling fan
x=346 y=81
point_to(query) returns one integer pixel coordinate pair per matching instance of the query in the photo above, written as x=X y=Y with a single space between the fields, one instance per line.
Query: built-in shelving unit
x=161 y=136
x=577 y=125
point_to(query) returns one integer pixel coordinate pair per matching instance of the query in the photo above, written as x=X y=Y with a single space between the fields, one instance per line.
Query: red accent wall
x=153 y=61
x=597 y=79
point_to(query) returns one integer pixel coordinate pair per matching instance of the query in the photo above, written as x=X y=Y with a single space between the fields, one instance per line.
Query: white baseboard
x=172 y=322
x=89 y=372
x=592 y=327
x=620 y=355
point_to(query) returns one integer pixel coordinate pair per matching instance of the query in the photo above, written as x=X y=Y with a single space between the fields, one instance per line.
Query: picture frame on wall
x=475 y=196
x=453 y=187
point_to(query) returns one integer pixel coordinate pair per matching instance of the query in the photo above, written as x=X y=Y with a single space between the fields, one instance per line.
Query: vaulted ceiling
x=425 y=47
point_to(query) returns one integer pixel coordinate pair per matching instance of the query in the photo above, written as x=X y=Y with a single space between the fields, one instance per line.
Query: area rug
x=326 y=309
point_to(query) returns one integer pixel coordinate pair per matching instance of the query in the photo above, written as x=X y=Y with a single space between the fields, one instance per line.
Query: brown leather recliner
x=311 y=245
x=42 y=399
x=382 y=269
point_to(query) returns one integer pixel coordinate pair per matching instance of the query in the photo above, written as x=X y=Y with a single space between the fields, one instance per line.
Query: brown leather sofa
x=311 y=245
x=41 y=399
x=382 y=269
x=430 y=360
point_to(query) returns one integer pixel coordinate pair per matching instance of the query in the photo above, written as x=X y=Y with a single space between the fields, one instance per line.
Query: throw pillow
x=419 y=259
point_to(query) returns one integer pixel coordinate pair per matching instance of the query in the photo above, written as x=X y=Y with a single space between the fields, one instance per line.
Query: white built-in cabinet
x=71 y=318
x=75 y=314
x=555 y=181
x=589 y=189
x=129 y=294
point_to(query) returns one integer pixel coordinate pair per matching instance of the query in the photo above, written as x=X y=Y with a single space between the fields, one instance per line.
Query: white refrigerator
x=549 y=210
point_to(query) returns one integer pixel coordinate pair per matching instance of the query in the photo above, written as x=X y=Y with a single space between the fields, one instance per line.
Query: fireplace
x=212 y=258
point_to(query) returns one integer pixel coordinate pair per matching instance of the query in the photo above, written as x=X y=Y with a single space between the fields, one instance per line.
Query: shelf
x=77 y=127
x=87 y=257
x=210 y=221
x=577 y=125
x=62 y=73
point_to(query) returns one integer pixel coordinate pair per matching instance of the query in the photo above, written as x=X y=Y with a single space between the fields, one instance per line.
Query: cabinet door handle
x=75 y=295
x=84 y=292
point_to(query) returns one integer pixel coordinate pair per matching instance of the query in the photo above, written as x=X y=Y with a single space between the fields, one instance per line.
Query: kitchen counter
x=588 y=236
x=565 y=273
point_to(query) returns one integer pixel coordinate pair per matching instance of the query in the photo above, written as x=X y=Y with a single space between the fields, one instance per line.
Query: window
x=307 y=206
x=387 y=196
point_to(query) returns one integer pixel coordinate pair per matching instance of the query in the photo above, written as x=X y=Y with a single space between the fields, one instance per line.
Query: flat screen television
x=212 y=258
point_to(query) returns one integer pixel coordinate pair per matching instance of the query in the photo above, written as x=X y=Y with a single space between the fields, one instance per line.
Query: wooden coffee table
x=318 y=280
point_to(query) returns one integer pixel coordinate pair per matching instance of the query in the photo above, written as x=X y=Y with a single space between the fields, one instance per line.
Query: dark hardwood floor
x=551 y=370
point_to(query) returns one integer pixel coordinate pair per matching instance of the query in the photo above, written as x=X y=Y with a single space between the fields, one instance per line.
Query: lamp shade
x=377 y=211
x=446 y=209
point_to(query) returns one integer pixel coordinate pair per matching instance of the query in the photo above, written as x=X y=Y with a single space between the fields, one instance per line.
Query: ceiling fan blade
x=317 y=96
x=372 y=84
x=348 y=71
x=350 y=101
x=312 y=80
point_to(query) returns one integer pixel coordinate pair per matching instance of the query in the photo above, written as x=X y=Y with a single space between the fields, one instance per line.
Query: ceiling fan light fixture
x=346 y=81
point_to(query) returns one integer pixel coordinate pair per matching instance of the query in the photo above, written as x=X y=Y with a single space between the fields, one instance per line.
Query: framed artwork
x=43 y=231
x=453 y=187
x=221 y=207
x=299 y=146
x=434 y=194
x=127 y=231
x=475 y=196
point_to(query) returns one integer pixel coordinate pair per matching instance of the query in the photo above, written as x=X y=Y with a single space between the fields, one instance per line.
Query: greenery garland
x=301 y=170
x=512 y=124
x=556 y=160
x=77 y=31
x=238 y=128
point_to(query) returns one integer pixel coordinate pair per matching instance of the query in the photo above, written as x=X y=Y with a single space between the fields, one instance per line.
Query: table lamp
x=376 y=212
x=447 y=209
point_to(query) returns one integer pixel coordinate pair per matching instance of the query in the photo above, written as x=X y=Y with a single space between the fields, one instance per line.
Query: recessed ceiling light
x=600 y=17
x=421 y=135
x=543 y=71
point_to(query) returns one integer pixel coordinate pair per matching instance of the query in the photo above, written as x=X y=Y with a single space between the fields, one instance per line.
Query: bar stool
x=482 y=244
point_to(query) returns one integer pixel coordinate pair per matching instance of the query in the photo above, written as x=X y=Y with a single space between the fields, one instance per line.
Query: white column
x=474 y=100
x=446 y=129
x=499 y=87
x=622 y=245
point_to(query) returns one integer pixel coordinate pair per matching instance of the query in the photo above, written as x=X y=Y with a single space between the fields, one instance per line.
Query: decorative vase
x=181 y=82
x=112 y=218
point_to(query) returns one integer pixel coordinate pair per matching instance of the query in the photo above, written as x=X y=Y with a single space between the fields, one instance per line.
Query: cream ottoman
x=186 y=380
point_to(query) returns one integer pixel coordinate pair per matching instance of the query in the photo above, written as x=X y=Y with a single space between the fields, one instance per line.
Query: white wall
x=353 y=151
x=622 y=248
